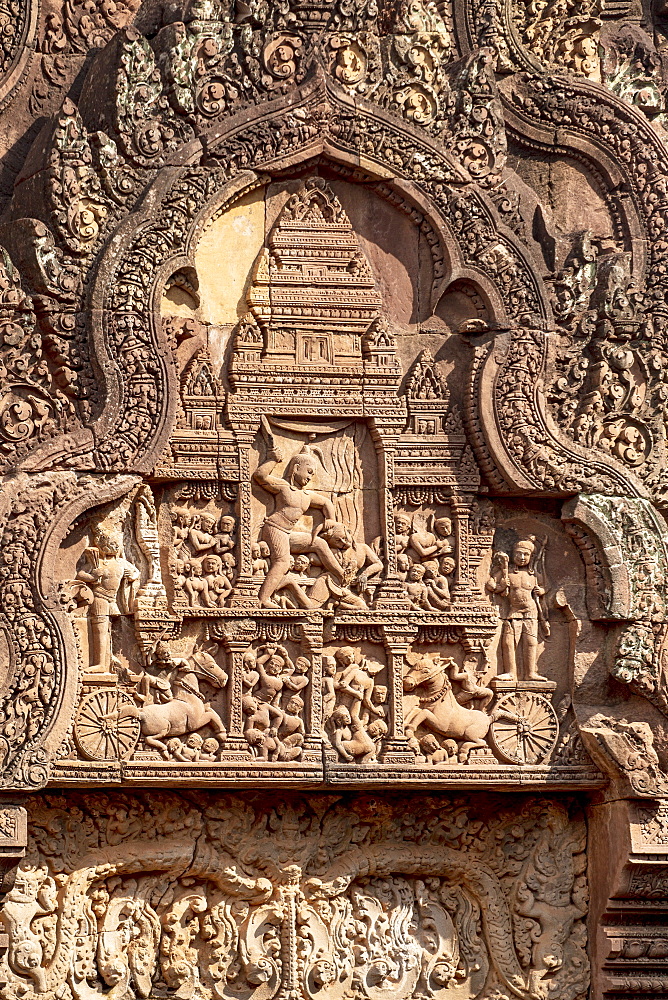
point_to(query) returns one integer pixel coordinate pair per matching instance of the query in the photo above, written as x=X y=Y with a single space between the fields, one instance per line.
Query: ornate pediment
x=333 y=451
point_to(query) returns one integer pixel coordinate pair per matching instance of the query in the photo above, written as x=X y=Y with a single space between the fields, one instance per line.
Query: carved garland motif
x=222 y=895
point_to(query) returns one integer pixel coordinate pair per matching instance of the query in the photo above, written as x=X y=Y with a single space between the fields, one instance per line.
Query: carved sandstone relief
x=308 y=585
x=333 y=441
x=222 y=895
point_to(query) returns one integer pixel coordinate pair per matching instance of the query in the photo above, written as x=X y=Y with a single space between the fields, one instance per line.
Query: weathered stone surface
x=218 y=895
x=333 y=441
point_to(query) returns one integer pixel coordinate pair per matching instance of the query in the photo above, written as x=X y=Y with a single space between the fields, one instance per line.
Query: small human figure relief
x=170 y=704
x=194 y=749
x=111 y=587
x=204 y=555
x=111 y=570
x=482 y=526
x=518 y=580
x=310 y=553
x=354 y=704
x=425 y=547
x=452 y=702
x=377 y=898
x=274 y=701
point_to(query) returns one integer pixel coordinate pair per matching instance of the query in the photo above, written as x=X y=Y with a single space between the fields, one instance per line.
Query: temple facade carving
x=333 y=546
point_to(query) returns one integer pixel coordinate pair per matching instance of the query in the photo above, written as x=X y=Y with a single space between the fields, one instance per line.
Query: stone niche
x=313 y=583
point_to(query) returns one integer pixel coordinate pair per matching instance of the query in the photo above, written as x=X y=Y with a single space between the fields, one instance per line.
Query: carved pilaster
x=245 y=591
x=391 y=593
x=462 y=505
x=313 y=639
x=235 y=642
x=629 y=887
x=397 y=644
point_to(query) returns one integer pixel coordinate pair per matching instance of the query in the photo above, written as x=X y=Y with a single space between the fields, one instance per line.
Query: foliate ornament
x=18 y=38
x=476 y=119
x=82 y=28
x=416 y=52
x=633 y=319
x=13 y=18
x=32 y=407
x=631 y=68
x=143 y=121
x=562 y=34
x=351 y=61
x=57 y=283
x=639 y=533
x=535 y=449
x=418 y=103
x=202 y=68
x=119 y=179
x=79 y=206
x=483 y=247
x=602 y=388
x=281 y=57
x=223 y=894
x=635 y=655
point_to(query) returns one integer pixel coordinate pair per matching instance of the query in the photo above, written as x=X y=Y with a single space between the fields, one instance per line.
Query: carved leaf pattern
x=228 y=897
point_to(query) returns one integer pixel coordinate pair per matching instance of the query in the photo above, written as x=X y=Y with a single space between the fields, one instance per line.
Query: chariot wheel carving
x=98 y=731
x=525 y=728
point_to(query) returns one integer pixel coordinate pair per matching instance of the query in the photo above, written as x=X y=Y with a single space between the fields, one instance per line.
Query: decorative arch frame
x=149 y=231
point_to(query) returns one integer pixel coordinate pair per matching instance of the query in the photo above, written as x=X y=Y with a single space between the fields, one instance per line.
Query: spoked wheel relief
x=525 y=728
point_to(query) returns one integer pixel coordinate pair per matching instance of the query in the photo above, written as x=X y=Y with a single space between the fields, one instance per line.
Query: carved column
x=245 y=591
x=152 y=595
x=397 y=643
x=461 y=509
x=235 y=644
x=313 y=639
x=391 y=593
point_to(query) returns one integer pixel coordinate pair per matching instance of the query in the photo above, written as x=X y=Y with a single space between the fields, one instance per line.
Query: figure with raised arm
x=293 y=499
x=113 y=583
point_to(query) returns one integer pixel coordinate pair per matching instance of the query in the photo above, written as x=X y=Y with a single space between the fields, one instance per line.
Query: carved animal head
x=423 y=670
